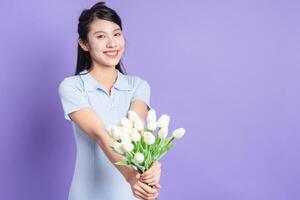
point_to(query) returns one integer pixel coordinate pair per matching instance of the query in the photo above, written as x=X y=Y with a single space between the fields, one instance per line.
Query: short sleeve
x=72 y=97
x=142 y=91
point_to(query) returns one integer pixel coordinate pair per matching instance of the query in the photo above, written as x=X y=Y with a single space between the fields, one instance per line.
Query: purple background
x=227 y=71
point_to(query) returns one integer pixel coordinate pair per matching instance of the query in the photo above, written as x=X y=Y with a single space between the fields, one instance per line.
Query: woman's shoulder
x=70 y=83
x=140 y=89
x=135 y=80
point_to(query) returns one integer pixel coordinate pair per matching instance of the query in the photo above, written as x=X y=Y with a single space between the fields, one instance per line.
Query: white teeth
x=111 y=53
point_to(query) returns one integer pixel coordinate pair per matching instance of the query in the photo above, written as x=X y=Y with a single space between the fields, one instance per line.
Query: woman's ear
x=83 y=45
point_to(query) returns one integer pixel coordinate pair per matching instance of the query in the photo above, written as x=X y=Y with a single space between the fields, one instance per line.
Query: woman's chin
x=111 y=64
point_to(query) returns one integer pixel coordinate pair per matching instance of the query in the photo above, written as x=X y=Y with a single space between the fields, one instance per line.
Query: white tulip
x=138 y=124
x=117 y=147
x=149 y=138
x=163 y=121
x=162 y=133
x=132 y=115
x=125 y=137
x=125 y=130
x=126 y=123
x=139 y=157
x=127 y=146
x=134 y=135
x=178 y=133
x=116 y=132
x=152 y=112
x=151 y=120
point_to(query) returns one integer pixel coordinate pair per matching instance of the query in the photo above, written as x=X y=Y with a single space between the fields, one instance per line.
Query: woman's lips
x=111 y=54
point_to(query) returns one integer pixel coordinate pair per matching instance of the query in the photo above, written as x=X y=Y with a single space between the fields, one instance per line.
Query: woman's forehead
x=103 y=25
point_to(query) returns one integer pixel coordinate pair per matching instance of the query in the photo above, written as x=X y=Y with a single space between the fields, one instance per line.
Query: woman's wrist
x=131 y=175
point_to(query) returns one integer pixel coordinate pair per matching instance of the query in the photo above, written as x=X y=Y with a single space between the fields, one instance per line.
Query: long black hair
x=97 y=11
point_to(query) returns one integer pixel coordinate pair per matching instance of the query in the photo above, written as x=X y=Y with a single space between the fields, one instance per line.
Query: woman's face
x=106 y=43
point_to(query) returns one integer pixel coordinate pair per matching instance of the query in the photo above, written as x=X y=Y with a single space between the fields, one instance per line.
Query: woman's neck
x=106 y=76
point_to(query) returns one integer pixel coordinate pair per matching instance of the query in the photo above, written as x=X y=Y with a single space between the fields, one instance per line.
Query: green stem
x=171 y=140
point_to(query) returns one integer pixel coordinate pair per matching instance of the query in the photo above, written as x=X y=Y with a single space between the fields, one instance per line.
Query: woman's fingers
x=144 y=192
x=147 y=180
x=151 y=177
x=157 y=186
x=154 y=178
x=140 y=195
x=152 y=181
x=156 y=165
x=147 y=190
x=148 y=176
x=141 y=190
x=154 y=169
x=152 y=172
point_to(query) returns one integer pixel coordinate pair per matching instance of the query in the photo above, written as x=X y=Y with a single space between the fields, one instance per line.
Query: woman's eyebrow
x=105 y=32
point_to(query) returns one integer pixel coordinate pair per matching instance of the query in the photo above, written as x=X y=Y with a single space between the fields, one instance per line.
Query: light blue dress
x=95 y=177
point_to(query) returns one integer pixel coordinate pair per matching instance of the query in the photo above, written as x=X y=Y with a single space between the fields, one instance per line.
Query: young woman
x=97 y=95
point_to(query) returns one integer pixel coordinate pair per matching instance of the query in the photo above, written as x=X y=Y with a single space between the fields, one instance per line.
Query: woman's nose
x=111 y=43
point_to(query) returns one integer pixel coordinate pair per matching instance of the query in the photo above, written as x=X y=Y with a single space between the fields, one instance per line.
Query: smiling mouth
x=111 y=54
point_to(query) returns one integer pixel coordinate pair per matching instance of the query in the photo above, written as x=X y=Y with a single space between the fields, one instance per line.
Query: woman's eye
x=117 y=34
x=101 y=36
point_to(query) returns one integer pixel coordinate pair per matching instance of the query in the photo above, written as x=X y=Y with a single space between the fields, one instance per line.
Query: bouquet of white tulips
x=138 y=143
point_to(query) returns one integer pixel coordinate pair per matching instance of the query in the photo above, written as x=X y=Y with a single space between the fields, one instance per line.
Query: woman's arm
x=152 y=176
x=91 y=124
x=140 y=107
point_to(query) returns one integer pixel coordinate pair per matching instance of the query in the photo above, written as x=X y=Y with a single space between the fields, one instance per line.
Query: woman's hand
x=141 y=190
x=152 y=175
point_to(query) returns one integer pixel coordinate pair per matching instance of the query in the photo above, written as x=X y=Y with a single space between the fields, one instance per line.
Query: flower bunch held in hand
x=141 y=144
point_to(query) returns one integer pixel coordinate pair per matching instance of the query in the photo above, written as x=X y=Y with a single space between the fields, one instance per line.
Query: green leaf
x=162 y=155
x=124 y=163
